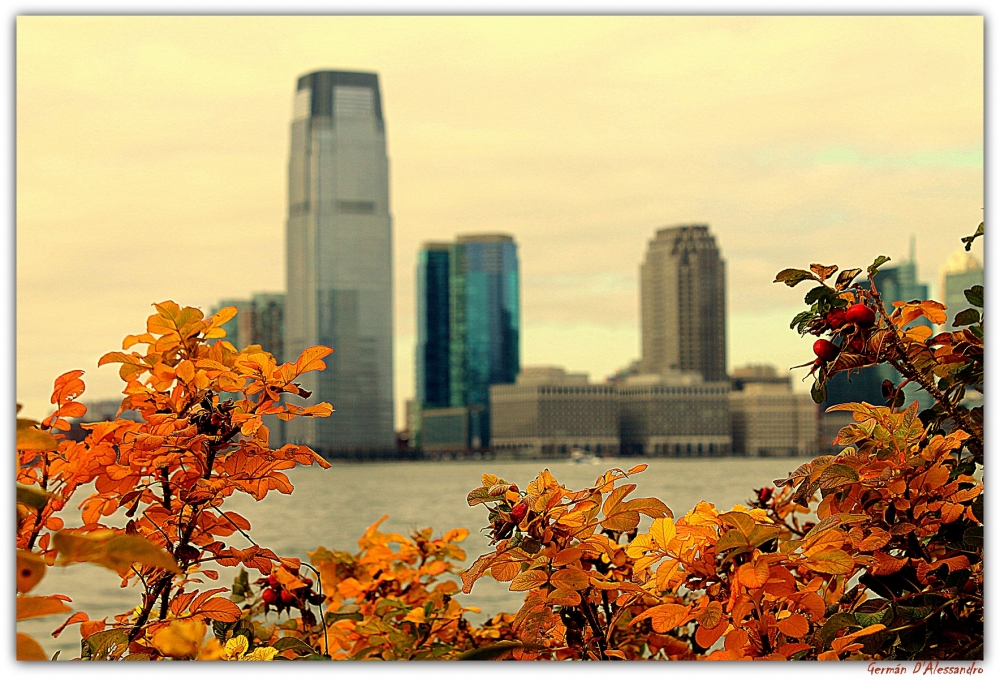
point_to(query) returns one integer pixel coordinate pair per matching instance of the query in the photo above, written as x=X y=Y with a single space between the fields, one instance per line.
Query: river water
x=332 y=508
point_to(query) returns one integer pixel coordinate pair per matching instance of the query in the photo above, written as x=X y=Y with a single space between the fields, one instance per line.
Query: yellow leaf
x=28 y=649
x=456 y=535
x=664 y=573
x=185 y=371
x=832 y=561
x=182 y=638
x=570 y=578
x=30 y=570
x=116 y=552
x=663 y=531
x=29 y=607
x=638 y=468
x=35 y=439
x=416 y=615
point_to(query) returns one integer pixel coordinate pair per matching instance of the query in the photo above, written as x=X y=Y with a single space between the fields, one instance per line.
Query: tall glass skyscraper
x=480 y=307
x=339 y=265
x=433 y=333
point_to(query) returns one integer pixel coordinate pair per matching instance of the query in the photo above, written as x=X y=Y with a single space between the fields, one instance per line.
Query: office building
x=468 y=334
x=960 y=272
x=259 y=320
x=550 y=413
x=683 y=304
x=339 y=265
x=674 y=414
x=768 y=418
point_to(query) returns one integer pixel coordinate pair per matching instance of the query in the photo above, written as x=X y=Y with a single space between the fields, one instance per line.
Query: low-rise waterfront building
x=548 y=412
x=768 y=418
x=675 y=414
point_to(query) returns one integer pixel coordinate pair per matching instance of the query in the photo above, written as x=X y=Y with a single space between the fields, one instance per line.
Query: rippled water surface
x=333 y=507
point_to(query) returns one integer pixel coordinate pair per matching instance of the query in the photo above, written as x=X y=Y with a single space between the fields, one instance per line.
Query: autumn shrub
x=875 y=552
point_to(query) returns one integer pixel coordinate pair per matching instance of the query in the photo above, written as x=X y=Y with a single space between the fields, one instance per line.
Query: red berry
x=270 y=596
x=307 y=581
x=826 y=350
x=518 y=512
x=272 y=580
x=860 y=315
x=836 y=318
x=287 y=597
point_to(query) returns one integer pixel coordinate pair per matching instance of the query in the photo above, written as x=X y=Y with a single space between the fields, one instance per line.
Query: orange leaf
x=505 y=571
x=665 y=617
x=754 y=575
x=220 y=609
x=529 y=580
x=794 y=626
x=706 y=637
x=832 y=561
x=29 y=607
x=28 y=649
x=711 y=615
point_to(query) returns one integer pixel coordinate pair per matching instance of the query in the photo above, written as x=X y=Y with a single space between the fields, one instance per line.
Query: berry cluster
x=852 y=324
x=281 y=598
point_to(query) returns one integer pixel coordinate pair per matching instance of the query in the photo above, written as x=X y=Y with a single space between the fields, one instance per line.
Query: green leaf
x=841 y=620
x=818 y=391
x=846 y=277
x=873 y=269
x=800 y=319
x=975 y=295
x=969 y=316
x=817 y=293
x=98 y=646
x=969 y=239
x=793 y=276
x=874 y=612
x=836 y=475
x=33 y=497
x=914 y=612
x=295 y=644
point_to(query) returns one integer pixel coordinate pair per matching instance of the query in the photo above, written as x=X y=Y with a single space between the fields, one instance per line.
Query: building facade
x=683 y=304
x=339 y=268
x=675 y=414
x=960 y=272
x=549 y=413
x=768 y=418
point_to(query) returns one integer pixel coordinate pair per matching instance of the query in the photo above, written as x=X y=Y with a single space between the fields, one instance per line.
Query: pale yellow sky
x=152 y=153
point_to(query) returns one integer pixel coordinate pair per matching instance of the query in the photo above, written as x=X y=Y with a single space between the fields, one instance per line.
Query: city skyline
x=580 y=136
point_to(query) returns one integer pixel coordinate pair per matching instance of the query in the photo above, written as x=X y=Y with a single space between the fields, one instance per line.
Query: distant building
x=468 y=332
x=960 y=272
x=683 y=304
x=768 y=418
x=444 y=430
x=676 y=414
x=339 y=262
x=549 y=413
x=259 y=320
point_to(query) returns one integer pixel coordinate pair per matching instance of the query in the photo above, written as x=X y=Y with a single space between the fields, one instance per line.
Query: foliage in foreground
x=876 y=552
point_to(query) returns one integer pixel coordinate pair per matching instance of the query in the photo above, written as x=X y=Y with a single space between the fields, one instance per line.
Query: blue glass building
x=433 y=333
x=483 y=319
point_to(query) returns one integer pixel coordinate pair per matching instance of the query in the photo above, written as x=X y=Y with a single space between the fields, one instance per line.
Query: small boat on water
x=578 y=456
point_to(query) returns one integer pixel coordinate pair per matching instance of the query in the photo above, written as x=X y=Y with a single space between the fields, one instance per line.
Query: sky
x=152 y=152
